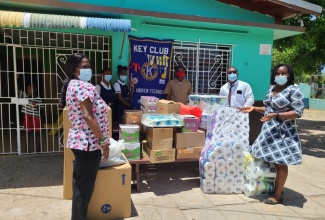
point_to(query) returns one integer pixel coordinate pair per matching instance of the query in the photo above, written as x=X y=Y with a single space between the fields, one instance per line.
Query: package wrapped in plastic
x=158 y=120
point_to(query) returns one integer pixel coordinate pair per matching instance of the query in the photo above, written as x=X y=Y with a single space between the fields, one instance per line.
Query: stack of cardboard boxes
x=168 y=144
x=111 y=198
x=130 y=134
x=159 y=145
x=149 y=104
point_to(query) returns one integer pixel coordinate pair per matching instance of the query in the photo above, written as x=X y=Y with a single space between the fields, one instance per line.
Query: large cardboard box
x=159 y=156
x=189 y=139
x=149 y=101
x=190 y=152
x=67 y=176
x=67 y=125
x=111 y=198
x=132 y=117
x=168 y=107
x=160 y=138
x=149 y=109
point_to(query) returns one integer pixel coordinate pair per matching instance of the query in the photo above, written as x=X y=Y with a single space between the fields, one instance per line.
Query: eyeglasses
x=231 y=72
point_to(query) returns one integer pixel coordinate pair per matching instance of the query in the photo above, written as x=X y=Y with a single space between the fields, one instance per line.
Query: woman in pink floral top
x=88 y=134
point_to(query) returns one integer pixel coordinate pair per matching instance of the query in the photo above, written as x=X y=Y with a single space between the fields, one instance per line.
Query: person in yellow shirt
x=180 y=88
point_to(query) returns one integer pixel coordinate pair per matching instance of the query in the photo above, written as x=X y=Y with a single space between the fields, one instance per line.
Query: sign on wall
x=150 y=61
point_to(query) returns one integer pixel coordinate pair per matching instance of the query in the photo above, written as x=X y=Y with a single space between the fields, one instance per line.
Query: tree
x=305 y=52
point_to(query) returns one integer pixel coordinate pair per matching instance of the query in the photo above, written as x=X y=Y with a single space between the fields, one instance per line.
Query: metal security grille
x=34 y=62
x=206 y=64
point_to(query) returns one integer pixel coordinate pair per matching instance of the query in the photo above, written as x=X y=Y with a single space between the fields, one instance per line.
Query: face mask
x=123 y=78
x=232 y=77
x=281 y=80
x=108 y=78
x=85 y=74
x=180 y=74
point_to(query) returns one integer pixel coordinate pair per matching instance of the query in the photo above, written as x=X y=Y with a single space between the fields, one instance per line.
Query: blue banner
x=149 y=67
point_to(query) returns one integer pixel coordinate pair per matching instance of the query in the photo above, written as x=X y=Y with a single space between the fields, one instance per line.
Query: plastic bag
x=191 y=110
x=115 y=154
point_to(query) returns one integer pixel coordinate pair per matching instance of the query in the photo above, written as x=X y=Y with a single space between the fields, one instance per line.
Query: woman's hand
x=268 y=117
x=131 y=84
x=105 y=152
x=247 y=109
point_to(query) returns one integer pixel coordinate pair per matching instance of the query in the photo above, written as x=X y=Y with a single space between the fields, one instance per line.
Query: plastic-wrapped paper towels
x=222 y=162
x=222 y=166
x=259 y=176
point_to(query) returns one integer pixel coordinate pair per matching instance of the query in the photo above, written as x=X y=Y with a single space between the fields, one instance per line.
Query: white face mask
x=123 y=78
x=85 y=74
x=108 y=78
x=281 y=80
x=232 y=77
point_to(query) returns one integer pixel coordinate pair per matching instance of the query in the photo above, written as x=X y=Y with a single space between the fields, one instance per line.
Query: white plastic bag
x=115 y=154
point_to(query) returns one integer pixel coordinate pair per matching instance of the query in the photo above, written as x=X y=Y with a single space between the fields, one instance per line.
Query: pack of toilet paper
x=222 y=161
x=208 y=103
x=259 y=176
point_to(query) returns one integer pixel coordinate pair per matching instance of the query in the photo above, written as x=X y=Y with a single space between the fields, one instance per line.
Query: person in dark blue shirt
x=123 y=93
x=104 y=88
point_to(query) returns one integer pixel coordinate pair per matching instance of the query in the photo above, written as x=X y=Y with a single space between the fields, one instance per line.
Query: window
x=206 y=64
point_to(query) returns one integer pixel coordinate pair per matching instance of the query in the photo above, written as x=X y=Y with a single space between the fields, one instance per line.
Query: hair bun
x=120 y=67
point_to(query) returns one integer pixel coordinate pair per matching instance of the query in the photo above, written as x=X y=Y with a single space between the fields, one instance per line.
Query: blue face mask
x=85 y=74
x=232 y=77
x=108 y=78
x=123 y=78
x=281 y=80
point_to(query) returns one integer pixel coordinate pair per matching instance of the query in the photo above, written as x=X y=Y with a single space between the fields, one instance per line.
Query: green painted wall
x=204 y=8
x=253 y=68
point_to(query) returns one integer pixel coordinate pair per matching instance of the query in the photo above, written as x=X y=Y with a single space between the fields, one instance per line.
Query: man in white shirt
x=239 y=93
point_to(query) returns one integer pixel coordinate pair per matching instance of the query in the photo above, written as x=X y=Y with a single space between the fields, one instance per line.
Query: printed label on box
x=106 y=208
x=186 y=151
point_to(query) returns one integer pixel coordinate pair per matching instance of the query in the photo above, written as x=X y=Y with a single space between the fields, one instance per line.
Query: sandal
x=272 y=193
x=271 y=202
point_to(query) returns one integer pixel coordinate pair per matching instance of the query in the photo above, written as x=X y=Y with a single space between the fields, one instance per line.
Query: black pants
x=85 y=167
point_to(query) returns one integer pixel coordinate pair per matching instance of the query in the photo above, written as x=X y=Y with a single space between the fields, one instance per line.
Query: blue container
x=306 y=103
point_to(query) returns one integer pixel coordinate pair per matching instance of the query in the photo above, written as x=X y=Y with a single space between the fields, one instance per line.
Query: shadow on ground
x=290 y=198
x=169 y=178
x=31 y=171
x=312 y=136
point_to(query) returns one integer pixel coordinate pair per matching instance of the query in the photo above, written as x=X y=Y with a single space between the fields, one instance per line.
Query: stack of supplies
x=259 y=175
x=131 y=138
x=149 y=104
x=222 y=161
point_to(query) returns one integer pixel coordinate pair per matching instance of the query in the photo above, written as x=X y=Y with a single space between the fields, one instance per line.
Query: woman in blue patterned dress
x=279 y=141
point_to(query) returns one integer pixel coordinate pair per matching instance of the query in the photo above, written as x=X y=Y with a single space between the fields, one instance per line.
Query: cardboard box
x=189 y=139
x=190 y=123
x=160 y=138
x=168 y=107
x=149 y=109
x=111 y=198
x=158 y=156
x=67 y=125
x=149 y=101
x=132 y=151
x=190 y=152
x=132 y=117
x=67 y=176
x=129 y=133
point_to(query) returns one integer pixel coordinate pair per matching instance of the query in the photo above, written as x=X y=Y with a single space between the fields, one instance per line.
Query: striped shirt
x=32 y=108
